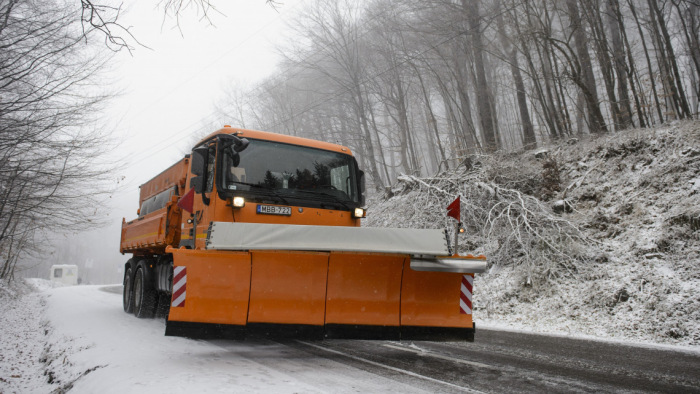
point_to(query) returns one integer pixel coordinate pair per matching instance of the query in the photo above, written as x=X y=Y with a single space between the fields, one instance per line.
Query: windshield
x=292 y=171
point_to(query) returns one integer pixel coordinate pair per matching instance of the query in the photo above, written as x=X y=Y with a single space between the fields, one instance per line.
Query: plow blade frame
x=470 y=264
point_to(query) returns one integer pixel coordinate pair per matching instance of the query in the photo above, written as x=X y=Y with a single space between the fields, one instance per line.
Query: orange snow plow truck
x=259 y=233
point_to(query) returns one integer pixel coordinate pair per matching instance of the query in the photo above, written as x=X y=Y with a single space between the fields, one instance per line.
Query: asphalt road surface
x=499 y=362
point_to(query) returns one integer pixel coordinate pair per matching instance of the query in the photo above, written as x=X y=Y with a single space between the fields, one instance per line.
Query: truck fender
x=130 y=264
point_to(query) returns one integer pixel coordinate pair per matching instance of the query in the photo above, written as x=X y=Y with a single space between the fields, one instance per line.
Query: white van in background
x=64 y=273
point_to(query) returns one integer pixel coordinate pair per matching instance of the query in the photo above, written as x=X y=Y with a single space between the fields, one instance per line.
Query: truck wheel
x=128 y=291
x=145 y=296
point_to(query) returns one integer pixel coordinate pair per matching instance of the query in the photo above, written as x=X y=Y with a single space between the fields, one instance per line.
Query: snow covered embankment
x=33 y=358
x=620 y=258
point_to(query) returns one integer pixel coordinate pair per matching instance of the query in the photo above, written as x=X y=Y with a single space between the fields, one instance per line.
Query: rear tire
x=145 y=296
x=128 y=290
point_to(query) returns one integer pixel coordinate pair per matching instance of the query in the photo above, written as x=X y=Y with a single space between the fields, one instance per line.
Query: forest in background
x=416 y=87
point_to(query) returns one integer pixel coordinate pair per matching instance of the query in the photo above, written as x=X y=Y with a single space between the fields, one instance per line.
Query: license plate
x=274 y=210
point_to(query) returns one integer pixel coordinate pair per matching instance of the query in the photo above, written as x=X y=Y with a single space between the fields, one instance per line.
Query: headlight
x=359 y=213
x=238 y=202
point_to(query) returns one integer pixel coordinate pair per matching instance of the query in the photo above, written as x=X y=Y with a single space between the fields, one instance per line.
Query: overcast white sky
x=168 y=92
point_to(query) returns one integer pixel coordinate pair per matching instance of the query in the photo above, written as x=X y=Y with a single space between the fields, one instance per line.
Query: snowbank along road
x=85 y=343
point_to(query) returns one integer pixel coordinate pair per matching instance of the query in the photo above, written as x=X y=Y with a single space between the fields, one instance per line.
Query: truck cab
x=258 y=177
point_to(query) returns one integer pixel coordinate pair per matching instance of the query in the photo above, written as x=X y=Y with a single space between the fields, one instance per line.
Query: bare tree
x=484 y=101
x=102 y=16
x=581 y=68
x=50 y=173
x=421 y=85
x=511 y=50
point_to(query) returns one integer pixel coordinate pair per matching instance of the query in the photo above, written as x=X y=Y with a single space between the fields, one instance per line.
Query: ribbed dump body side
x=173 y=176
x=158 y=224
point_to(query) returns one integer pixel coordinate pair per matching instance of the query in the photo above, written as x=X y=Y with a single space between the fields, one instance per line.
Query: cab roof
x=287 y=139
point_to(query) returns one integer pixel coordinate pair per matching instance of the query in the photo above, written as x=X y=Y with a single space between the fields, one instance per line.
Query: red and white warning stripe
x=465 y=295
x=179 y=285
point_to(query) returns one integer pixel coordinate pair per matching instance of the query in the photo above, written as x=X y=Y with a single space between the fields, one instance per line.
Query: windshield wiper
x=270 y=191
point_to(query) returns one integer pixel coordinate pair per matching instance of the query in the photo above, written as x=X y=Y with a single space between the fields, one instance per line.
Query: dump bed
x=158 y=224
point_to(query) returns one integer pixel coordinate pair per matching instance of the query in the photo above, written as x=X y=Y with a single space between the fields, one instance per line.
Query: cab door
x=201 y=178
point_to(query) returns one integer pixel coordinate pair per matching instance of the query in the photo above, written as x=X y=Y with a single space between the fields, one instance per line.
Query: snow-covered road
x=84 y=342
x=133 y=356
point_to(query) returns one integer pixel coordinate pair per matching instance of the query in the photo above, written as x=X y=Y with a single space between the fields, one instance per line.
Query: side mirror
x=238 y=144
x=200 y=157
x=235 y=157
x=241 y=144
x=232 y=144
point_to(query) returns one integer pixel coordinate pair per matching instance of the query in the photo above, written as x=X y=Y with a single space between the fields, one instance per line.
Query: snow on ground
x=635 y=197
x=21 y=339
x=78 y=338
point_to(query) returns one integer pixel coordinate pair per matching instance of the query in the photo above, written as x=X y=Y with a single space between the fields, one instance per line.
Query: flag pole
x=457 y=226
x=453 y=211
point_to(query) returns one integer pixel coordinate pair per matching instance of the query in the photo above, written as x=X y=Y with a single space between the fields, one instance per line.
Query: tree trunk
x=596 y=124
x=484 y=105
x=606 y=65
x=539 y=92
x=648 y=59
x=468 y=130
x=691 y=28
x=675 y=81
x=431 y=120
x=631 y=69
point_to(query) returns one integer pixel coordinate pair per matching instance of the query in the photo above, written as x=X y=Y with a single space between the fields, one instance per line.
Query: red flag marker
x=187 y=201
x=453 y=209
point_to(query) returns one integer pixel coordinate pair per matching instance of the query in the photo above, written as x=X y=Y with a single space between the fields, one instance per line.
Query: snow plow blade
x=322 y=282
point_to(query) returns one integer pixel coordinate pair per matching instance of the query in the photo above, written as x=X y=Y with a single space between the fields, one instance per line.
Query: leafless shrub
x=509 y=226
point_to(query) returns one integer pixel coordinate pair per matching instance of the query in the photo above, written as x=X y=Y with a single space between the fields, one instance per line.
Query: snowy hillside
x=596 y=236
